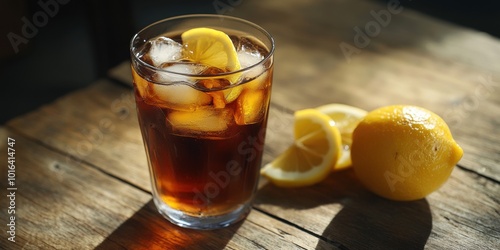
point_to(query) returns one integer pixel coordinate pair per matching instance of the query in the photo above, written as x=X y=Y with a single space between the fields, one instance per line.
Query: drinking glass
x=203 y=128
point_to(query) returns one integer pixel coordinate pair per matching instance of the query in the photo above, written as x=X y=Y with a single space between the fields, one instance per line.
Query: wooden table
x=81 y=179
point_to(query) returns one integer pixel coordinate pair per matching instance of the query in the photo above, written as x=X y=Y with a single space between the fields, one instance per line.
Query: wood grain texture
x=462 y=214
x=148 y=230
x=64 y=204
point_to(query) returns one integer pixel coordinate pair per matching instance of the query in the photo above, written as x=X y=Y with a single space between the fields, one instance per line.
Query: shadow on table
x=147 y=229
x=360 y=219
x=376 y=223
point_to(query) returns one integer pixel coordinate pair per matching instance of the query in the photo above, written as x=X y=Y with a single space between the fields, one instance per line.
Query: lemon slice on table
x=346 y=119
x=316 y=148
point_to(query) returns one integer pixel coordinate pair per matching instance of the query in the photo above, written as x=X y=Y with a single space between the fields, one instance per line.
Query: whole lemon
x=403 y=152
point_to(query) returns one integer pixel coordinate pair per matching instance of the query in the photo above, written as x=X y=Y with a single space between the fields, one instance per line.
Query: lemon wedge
x=346 y=119
x=316 y=148
x=212 y=48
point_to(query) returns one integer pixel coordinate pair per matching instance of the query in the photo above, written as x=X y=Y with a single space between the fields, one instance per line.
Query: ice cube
x=179 y=97
x=170 y=76
x=248 y=59
x=163 y=50
x=250 y=107
x=205 y=121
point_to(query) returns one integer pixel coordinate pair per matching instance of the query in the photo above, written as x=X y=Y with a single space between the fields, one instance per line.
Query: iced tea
x=203 y=127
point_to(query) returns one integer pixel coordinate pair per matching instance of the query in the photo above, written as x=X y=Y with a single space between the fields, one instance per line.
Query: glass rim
x=208 y=76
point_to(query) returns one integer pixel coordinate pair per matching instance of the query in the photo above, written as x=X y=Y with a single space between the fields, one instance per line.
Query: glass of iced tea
x=202 y=86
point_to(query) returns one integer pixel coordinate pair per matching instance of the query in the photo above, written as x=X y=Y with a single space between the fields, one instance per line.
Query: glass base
x=197 y=222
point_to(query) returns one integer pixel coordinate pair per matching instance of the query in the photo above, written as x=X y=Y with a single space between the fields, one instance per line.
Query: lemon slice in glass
x=346 y=119
x=316 y=148
x=212 y=48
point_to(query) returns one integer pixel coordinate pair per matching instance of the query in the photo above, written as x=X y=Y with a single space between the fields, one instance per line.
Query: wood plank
x=462 y=214
x=148 y=230
x=324 y=25
x=62 y=204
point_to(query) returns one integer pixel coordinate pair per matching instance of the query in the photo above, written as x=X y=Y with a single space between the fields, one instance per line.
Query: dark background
x=85 y=38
